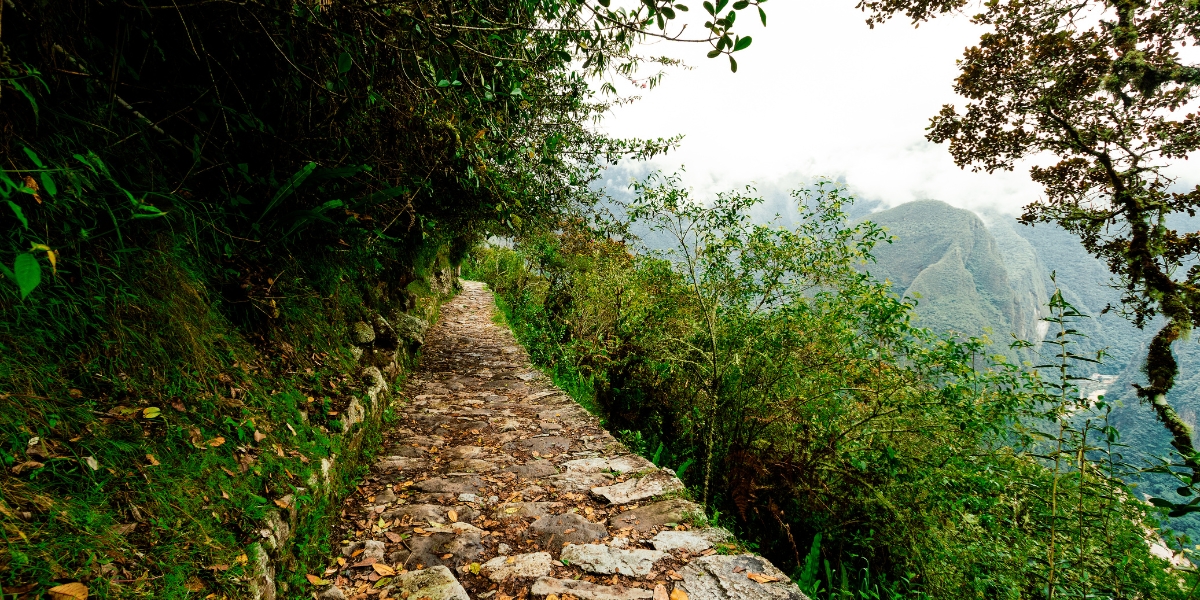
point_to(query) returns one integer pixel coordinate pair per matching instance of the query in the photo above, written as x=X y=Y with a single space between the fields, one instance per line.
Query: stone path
x=494 y=484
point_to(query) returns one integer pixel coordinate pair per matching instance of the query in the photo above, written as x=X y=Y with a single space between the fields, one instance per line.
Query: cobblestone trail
x=494 y=484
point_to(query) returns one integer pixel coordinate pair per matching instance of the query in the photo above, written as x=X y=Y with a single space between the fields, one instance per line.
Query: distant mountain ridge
x=964 y=277
x=970 y=273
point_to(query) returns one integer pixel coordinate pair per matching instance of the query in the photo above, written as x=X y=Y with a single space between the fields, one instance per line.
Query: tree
x=1101 y=85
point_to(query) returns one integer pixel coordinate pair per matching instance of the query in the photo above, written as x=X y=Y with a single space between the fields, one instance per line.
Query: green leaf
x=28 y=273
x=742 y=44
x=732 y=64
x=1184 y=491
x=709 y=7
x=28 y=96
x=681 y=7
x=712 y=54
x=740 y=4
x=20 y=214
x=345 y=62
x=34 y=157
x=667 y=12
x=48 y=184
x=605 y=3
x=721 y=5
x=762 y=14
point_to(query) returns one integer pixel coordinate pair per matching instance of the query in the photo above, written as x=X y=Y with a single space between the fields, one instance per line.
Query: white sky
x=818 y=93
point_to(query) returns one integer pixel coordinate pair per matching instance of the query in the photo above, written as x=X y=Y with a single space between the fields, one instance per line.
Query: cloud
x=821 y=94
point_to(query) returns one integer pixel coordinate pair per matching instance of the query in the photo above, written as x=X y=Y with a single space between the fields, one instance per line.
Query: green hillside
x=947 y=259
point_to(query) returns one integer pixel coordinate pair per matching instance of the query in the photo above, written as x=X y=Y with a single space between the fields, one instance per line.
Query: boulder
x=653 y=484
x=436 y=583
x=688 y=541
x=598 y=558
x=585 y=590
x=361 y=333
x=553 y=530
x=718 y=577
x=534 y=564
x=652 y=516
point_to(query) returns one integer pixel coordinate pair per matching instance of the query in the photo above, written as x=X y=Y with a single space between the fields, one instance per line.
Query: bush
x=803 y=403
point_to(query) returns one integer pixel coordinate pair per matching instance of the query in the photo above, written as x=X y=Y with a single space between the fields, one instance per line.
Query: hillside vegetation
x=799 y=399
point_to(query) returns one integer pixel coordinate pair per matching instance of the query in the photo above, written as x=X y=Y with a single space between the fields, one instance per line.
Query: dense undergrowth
x=197 y=198
x=799 y=401
x=145 y=462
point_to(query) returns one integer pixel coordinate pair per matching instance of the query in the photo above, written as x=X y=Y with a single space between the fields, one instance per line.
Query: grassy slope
x=198 y=429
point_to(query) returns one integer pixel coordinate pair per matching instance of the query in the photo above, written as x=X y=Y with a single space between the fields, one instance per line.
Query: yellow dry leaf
x=453 y=515
x=383 y=570
x=759 y=577
x=151 y=412
x=217 y=441
x=153 y=461
x=281 y=503
x=678 y=594
x=52 y=256
x=242 y=559
x=341 y=561
x=194 y=585
x=69 y=591
x=313 y=579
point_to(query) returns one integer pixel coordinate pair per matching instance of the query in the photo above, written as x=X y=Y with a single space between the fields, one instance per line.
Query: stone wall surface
x=382 y=347
x=494 y=484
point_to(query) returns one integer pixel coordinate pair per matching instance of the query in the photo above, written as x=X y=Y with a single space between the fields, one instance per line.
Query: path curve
x=494 y=484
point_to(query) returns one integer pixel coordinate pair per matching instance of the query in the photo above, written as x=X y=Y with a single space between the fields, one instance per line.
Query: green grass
x=179 y=496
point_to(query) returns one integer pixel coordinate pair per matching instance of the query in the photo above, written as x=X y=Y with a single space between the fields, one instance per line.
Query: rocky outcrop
x=493 y=484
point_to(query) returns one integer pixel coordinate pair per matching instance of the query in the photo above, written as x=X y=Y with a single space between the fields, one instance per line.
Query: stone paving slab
x=493 y=484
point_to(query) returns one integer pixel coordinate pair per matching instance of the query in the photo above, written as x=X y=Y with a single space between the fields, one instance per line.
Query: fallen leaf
x=217 y=441
x=678 y=594
x=282 y=503
x=291 y=429
x=739 y=569
x=220 y=567
x=660 y=592
x=383 y=570
x=75 y=393
x=673 y=575
x=151 y=412
x=194 y=585
x=69 y=591
x=393 y=537
x=25 y=466
x=313 y=579
x=447 y=556
x=759 y=577
x=453 y=515
x=153 y=461
x=259 y=436
x=178 y=405
x=93 y=463
x=341 y=561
